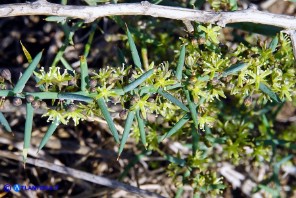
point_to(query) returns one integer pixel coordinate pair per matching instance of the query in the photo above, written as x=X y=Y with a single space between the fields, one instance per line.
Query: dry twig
x=91 y=13
x=80 y=175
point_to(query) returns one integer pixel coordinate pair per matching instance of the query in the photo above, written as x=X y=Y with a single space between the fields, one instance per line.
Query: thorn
x=12 y=133
x=118 y=158
x=38 y=151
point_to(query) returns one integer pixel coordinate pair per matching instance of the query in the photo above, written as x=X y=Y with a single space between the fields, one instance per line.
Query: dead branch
x=91 y=13
x=80 y=175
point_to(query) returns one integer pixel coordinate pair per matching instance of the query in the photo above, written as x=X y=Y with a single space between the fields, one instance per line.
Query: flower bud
x=134 y=100
x=93 y=83
x=190 y=61
x=72 y=82
x=248 y=101
x=233 y=60
x=123 y=114
x=150 y=99
x=193 y=79
x=215 y=81
x=71 y=107
x=93 y=90
x=194 y=42
x=227 y=78
x=17 y=101
x=201 y=40
x=190 y=87
x=5 y=73
x=29 y=98
x=35 y=104
x=43 y=105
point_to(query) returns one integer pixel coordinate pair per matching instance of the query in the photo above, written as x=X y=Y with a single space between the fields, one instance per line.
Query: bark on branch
x=91 y=13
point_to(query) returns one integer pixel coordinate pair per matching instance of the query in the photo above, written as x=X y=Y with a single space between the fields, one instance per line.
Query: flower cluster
x=227 y=88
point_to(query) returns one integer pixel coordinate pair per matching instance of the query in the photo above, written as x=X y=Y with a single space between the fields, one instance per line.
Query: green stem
x=90 y=39
x=192 y=108
x=28 y=129
x=84 y=74
x=5 y=93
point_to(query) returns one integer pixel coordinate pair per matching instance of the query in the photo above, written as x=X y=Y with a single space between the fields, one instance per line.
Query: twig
x=81 y=175
x=91 y=13
x=32 y=151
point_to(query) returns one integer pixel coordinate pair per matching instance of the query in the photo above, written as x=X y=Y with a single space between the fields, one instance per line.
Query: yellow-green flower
x=211 y=32
x=258 y=76
x=76 y=116
x=53 y=77
x=103 y=75
x=105 y=92
x=144 y=106
x=54 y=114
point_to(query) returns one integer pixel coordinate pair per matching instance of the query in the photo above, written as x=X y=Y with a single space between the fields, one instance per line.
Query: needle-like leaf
x=138 y=81
x=4 y=93
x=141 y=126
x=192 y=108
x=234 y=68
x=172 y=99
x=66 y=64
x=175 y=128
x=51 y=129
x=90 y=39
x=273 y=44
x=26 y=52
x=195 y=139
x=133 y=48
x=29 y=71
x=265 y=89
x=84 y=74
x=181 y=63
x=127 y=129
x=175 y=160
x=28 y=130
x=4 y=122
x=108 y=118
